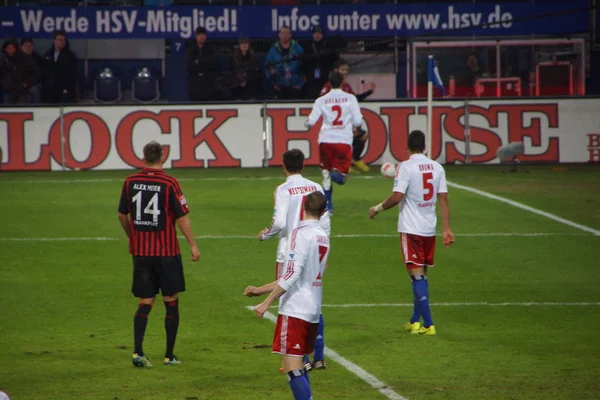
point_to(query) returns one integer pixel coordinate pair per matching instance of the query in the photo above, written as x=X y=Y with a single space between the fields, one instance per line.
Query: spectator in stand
x=245 y=67
x=472 y=73
x=283 y=67
x=59 y=71
x=318 y=62
x=27 y=48
x=18 y=73
x=202 y=68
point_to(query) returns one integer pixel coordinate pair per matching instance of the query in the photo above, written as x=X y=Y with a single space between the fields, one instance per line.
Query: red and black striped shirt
x=154 y=201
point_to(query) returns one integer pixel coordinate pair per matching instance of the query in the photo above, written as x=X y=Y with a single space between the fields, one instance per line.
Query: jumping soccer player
x=288 y=215
x=301 y=292
x=360 y=135
x=155 y=203
x=419 y=183
x=340 y=113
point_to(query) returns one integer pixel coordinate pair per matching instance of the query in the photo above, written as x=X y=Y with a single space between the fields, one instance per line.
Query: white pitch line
x=225 y=179
x=485 y=304
x=234 y=237
x=350 y=366
x=526 y=208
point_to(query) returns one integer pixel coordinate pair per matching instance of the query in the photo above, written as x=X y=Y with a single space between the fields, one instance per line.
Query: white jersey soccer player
x=341 y=113
x=419 y=185
x=289 y=201
x=300 y=290
x=420 y=179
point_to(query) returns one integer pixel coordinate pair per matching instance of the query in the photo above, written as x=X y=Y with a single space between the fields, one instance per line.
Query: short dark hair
x=293 y=160
x=315 y=204
x=338 y=63
x=58 y=33
x=26 y=40
x=153 y=152
x=416 y=141
x=200 y=30
x=336 y=79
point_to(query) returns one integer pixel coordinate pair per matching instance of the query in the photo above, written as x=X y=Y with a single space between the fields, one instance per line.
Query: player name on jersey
x=302 y=190
x=142 y=186
x=426 y=167
x=336 y=100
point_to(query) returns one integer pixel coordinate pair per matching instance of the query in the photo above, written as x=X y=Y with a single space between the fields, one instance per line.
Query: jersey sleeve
x=282 y=204
x=325 y=223
x=315 y=114
x=177 y=201
x=443 y=187
x=124 y=201
x=357 y=117
x=325 y=89
x=295 y=260
x=402 y=179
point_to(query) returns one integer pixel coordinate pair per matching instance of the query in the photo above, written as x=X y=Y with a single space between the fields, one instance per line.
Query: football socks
x=140 y=321
x=416 y=317
x=171 y=325
x=421 y=292
x=299 y=385
x=320 y=343
x=338 y=177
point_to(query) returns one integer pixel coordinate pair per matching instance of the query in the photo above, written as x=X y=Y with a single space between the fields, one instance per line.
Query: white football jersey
x=289 y=211
x=420 y=179
x=303 y=272
x=341 y=112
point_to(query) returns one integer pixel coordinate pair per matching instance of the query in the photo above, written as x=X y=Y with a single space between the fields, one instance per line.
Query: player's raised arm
x=315 y=114
x=279 y=216
x=400 y=187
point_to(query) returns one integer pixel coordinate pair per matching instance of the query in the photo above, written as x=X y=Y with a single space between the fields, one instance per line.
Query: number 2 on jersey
x=338 y=119
x=427 y=186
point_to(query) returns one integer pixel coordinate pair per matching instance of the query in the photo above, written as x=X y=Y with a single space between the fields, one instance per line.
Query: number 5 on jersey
x=427 y=186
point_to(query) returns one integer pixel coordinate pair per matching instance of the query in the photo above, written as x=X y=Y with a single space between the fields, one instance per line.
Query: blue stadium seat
x=107 y=88
x=144 y=87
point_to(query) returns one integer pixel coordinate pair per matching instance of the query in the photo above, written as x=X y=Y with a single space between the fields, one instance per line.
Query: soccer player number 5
x=427 y=186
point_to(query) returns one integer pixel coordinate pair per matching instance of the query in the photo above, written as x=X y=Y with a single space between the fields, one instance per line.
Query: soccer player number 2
x=338 y=110
x=151 y=208
x=427 y=186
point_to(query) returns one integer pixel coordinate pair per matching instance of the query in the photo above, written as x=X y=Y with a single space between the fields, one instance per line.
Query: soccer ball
x=388 y=170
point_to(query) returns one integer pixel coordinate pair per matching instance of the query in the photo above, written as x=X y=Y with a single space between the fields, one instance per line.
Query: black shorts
x=153 y=273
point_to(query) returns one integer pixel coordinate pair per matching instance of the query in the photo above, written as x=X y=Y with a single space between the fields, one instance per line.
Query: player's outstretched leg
x=319 y=359
x=299 y=384
x=337 y=177
x=140 y=321
x=421 y=290
x=327 y=188
x=171 y=327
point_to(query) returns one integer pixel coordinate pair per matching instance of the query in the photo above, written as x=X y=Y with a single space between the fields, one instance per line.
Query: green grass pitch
x=66 y=310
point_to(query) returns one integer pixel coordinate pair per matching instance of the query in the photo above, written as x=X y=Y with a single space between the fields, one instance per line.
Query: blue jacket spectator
x=283 y=67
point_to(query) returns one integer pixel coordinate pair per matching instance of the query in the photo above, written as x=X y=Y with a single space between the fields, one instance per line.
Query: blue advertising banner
x=401 y=20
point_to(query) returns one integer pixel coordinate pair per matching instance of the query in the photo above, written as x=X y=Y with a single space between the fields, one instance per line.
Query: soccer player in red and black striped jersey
x=154 y=202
